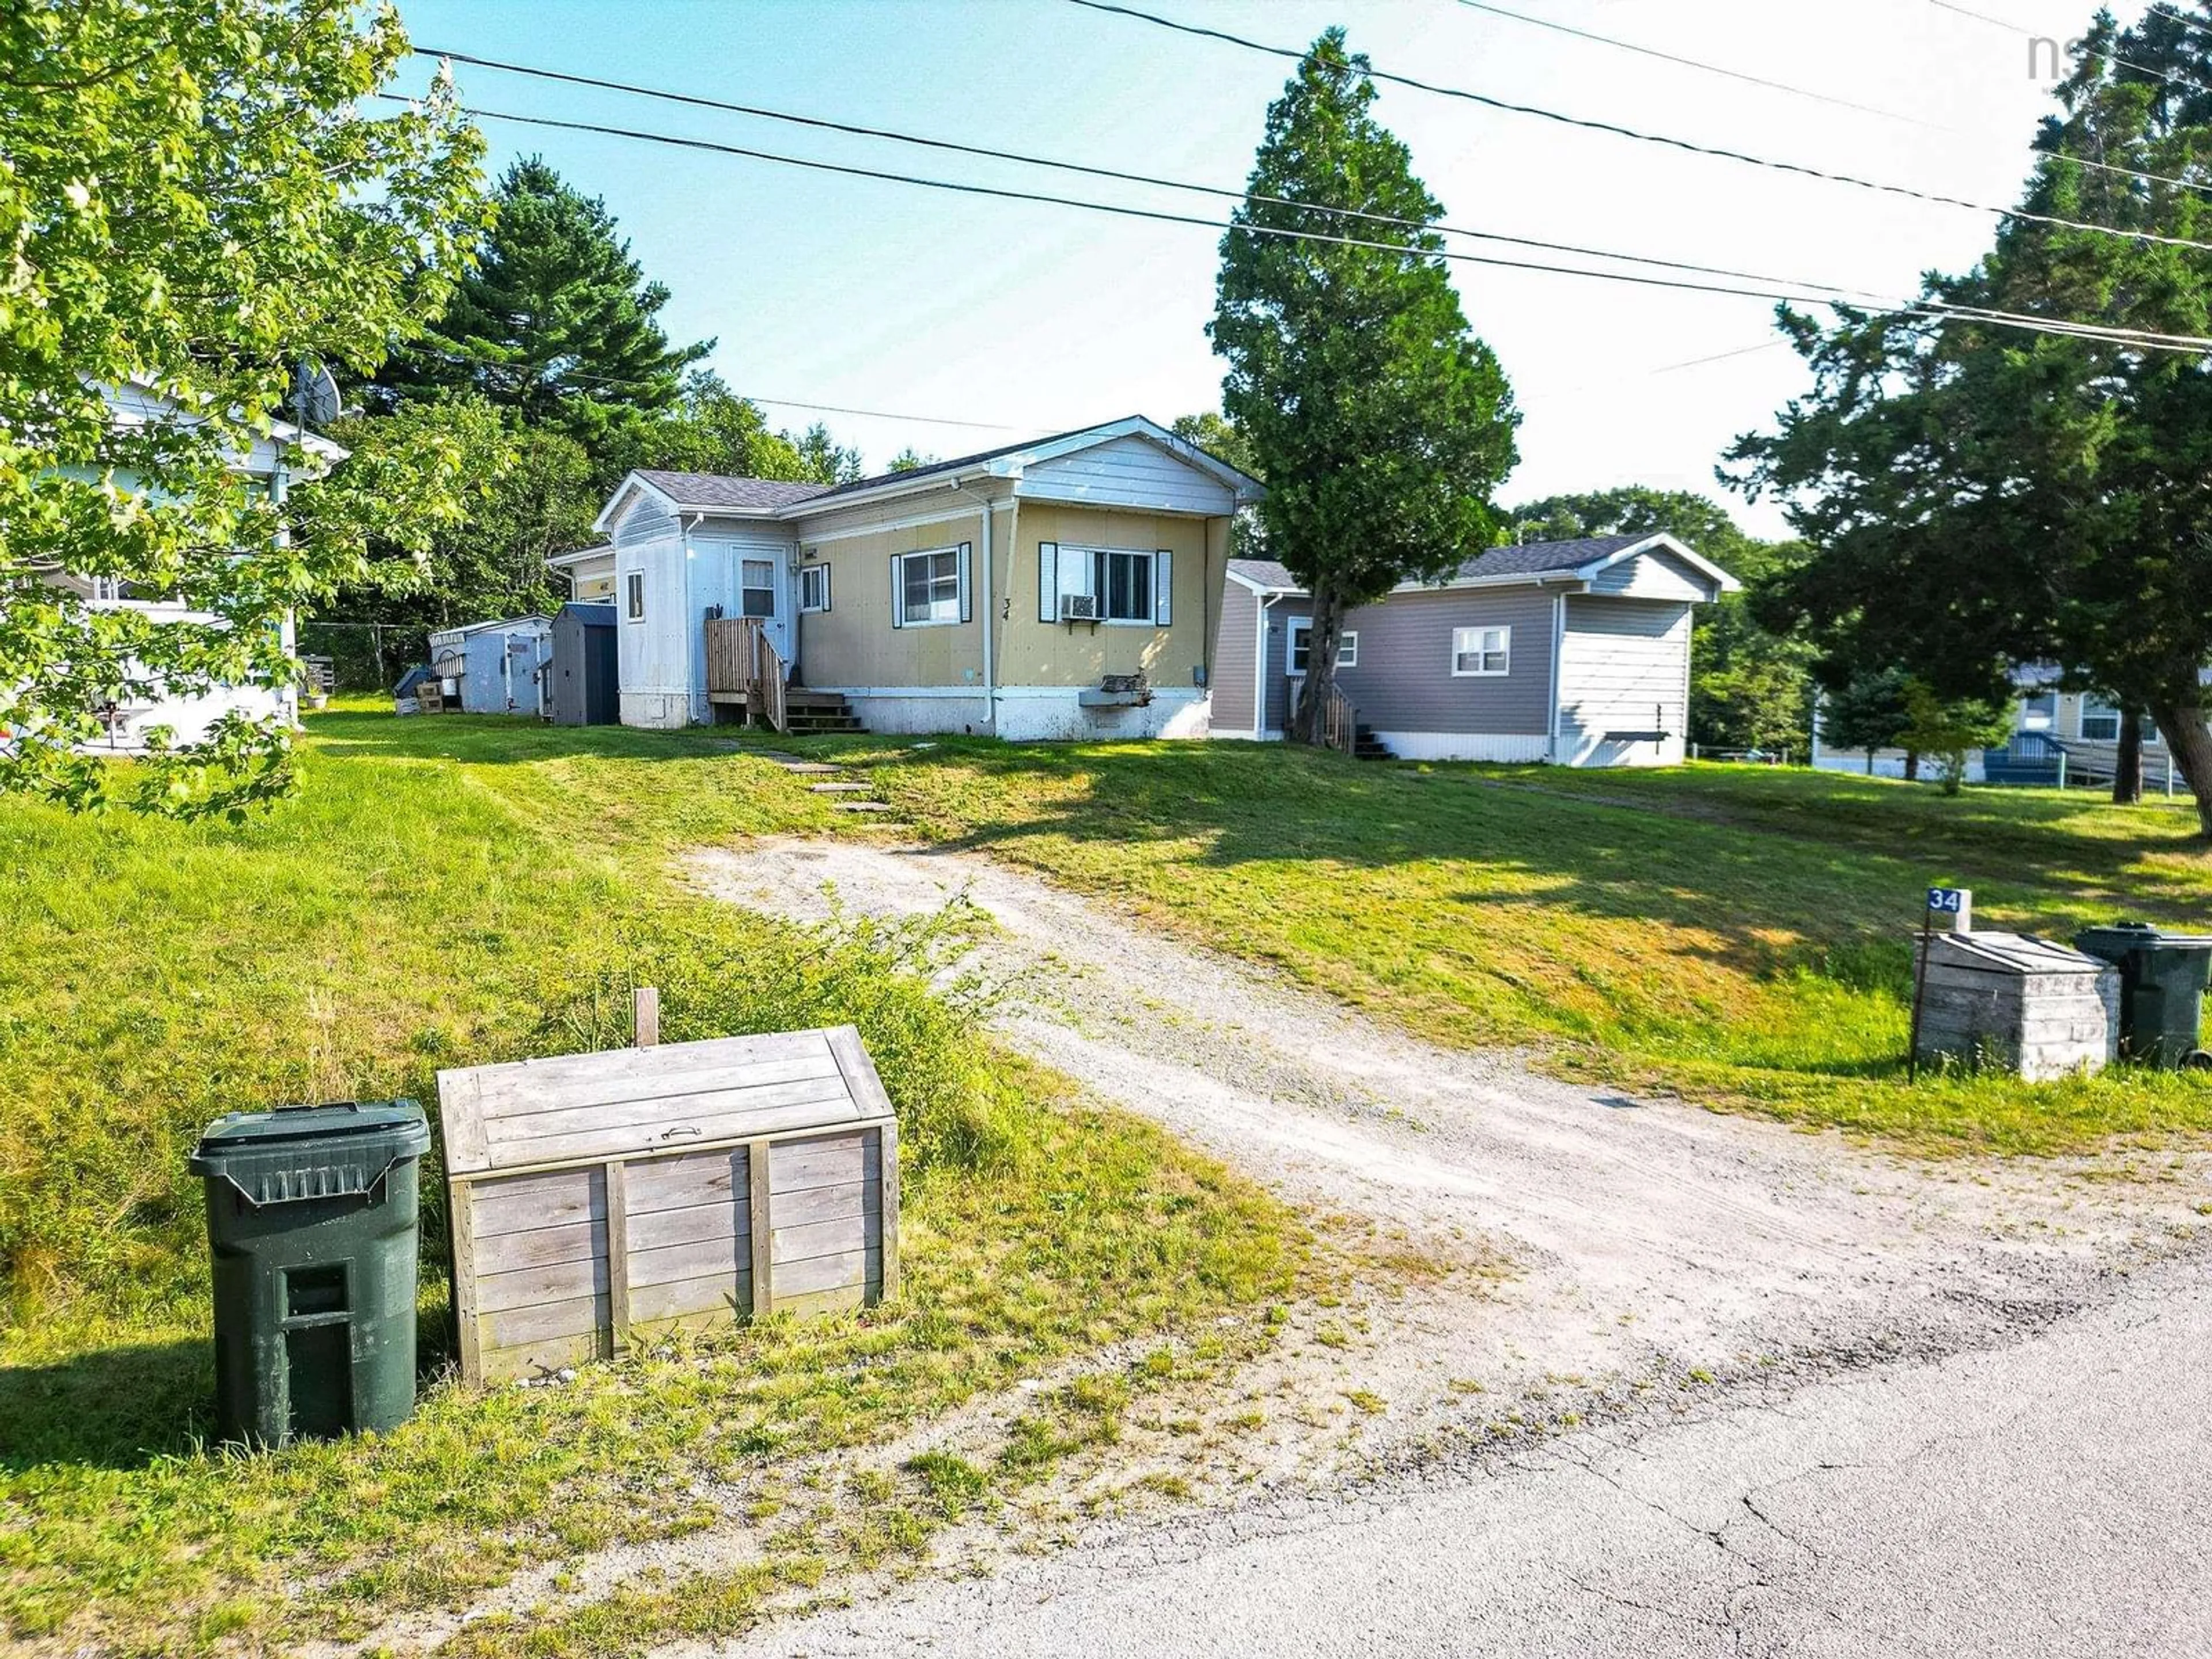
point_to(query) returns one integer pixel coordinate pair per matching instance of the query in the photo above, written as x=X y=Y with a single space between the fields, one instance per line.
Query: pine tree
x=1981 y=497
x=1381 y=425
x=556 y=322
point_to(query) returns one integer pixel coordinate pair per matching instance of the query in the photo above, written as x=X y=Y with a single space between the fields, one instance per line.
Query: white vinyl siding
x=1128 y=472
x=1481 y=652
x=1624 y=677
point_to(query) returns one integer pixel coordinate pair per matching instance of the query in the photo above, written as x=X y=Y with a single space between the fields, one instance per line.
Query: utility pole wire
x=1221 y=192
x=2191 y=344
x=1798 y=169
x=1709 y=68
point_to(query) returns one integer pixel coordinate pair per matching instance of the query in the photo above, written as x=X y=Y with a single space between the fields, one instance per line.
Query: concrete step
x=863 y=806
x=840 y=788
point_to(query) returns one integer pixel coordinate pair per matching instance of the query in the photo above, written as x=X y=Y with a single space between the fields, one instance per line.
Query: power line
x=1817 y=97
x=1743 y=157
x=467 y=361
x=1709 y=68
x=2021 y=29
x=1225 y=193
x=1855 y=296
x=2191 y=343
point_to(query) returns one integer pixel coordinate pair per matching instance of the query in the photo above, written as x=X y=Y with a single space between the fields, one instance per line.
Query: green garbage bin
x=2162 y=979
x=312 y=1216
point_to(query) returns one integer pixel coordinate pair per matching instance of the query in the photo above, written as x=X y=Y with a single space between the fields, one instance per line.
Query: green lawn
x=449 y=892
x=1737 y=933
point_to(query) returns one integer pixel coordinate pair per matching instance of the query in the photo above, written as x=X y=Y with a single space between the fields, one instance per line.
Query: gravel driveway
x=1678 y=1278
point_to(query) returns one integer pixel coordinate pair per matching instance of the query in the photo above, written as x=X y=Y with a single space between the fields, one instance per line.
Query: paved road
x=2052 y=1496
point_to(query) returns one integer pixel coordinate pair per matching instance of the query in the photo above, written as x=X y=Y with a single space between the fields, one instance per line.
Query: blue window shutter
x=1047 y=581
x=898 y=594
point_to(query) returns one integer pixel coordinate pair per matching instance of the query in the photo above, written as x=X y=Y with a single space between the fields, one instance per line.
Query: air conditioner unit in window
x=1078 y=607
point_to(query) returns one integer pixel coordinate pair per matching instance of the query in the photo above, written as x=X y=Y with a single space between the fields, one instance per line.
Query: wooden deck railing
x=1339 y=721
x=743 y=660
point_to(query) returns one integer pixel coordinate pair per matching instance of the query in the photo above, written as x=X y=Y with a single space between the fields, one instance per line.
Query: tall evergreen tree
x=556 y=322
x=1381 y=423
x=1981 y=497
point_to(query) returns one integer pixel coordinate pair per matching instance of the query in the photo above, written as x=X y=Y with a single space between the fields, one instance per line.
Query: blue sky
x=1023 y=318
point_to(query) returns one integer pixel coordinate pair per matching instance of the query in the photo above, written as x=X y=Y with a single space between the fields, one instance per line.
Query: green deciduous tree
x=556 y=322
x=1380 y=424
x=1247 y=537
x=1946 y=728
x=194 y=197
x=1982 y=497
x=1750 y=688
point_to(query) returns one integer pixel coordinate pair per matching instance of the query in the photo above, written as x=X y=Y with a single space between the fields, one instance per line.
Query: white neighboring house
x=590 y=572
x=189 y=718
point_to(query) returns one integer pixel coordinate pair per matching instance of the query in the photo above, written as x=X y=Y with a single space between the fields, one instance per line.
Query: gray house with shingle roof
x=1576 y=652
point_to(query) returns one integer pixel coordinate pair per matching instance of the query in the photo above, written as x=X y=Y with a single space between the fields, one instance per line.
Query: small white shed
x=500 y=667
x=596 y=1199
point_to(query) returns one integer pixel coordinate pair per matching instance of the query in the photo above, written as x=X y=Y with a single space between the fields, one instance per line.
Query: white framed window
x=1487 y=652
x=2038 y=711
x=930 y=589
x=633 y=596
x=1347 y=648
x=1297 y=646
x=2100 y=720
x=813 y=588
x=1133 y=586
x=756 y=587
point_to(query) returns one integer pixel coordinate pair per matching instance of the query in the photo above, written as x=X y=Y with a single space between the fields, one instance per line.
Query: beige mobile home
x=1057 y=589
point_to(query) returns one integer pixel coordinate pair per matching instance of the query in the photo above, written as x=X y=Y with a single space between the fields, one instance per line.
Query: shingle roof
x=1540 y=558
x=709 y=489
x=716 y=489
x=1529 y=559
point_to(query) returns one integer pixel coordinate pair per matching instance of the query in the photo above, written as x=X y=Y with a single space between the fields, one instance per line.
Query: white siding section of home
x=1654 y=575
x=717 y=553
x=1127 y=472
x=1624 y=667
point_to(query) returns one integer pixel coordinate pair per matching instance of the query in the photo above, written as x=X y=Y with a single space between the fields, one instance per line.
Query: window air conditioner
x=1078 y=607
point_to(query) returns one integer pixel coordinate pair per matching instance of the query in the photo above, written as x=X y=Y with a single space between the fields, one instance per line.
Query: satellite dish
x=314 y=395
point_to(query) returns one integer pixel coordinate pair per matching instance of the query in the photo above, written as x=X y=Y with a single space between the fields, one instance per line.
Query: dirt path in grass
x=1649 y=1243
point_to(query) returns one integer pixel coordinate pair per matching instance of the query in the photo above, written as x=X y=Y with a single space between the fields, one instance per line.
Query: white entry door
x=760 y=588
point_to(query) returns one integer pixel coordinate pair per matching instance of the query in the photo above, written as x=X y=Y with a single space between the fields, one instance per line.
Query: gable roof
x=1498 y=567
x=690 y=492
x=766 y=498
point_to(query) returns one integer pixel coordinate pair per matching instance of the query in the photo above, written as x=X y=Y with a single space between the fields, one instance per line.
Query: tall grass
x=449 y=893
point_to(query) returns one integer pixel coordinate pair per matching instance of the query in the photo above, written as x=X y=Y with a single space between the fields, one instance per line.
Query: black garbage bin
x=312 y=1216
x=2162 y=979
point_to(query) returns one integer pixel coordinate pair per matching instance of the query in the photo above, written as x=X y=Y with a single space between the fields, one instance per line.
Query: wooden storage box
x=2019 y=1004
x=598 y=1199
